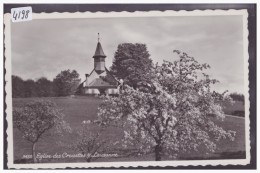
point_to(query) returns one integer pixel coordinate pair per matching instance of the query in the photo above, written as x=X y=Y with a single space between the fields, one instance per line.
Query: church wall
x=112 y=91
x=91 y=91
x=96 y=91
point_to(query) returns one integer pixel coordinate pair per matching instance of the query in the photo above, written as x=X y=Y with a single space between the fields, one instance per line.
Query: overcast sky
x=43 y=48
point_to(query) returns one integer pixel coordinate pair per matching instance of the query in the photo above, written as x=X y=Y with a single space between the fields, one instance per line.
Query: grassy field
x=78 y=109
x=237 y=108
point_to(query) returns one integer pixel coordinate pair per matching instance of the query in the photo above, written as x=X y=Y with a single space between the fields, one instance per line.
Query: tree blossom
x=37 y=118
x=171 y=113
x=92 y=140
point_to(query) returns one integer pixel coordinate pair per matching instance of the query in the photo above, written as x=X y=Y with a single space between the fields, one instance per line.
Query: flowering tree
x=172 y=114
x=37 y=118
x=92 y=141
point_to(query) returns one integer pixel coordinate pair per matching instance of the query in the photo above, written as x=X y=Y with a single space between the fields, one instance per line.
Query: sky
x=45 y=47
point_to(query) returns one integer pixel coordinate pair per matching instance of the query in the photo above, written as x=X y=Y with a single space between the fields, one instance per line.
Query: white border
x=38 y=16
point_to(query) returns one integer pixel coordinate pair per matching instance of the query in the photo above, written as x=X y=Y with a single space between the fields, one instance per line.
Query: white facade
x=113 y=91
x=95 y=91
x=92 y=91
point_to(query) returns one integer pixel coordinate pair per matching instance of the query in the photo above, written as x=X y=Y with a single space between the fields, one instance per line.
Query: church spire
x=99 y=53
x=99 y=58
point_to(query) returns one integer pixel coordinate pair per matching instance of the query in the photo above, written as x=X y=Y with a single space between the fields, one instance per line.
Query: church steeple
x=99 y=51
x=99 y=58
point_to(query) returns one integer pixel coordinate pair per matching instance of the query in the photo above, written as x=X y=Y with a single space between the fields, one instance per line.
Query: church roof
x=101 y=83
x=104 y=80
x=99 y=51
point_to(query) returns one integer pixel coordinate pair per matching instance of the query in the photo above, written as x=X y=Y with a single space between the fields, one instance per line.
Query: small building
x=100 y=80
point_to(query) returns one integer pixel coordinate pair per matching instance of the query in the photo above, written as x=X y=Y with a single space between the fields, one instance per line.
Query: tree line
x=237 y=97
x=64 y=84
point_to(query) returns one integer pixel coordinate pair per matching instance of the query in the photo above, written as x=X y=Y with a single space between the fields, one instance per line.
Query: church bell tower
x=99 y=58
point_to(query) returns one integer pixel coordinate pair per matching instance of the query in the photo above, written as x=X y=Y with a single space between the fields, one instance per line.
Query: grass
x=78 y=109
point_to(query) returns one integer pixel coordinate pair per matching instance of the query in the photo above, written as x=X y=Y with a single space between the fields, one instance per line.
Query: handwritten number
x=27 y=13
x=15 y=15
x=24 y=14
x=19 y=15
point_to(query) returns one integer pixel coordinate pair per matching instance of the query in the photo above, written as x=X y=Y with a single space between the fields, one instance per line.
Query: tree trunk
x=88 y=159
x=33 y=153
x=158 y=152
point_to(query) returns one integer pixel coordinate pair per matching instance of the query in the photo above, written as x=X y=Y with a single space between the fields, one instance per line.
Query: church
x=100 y=81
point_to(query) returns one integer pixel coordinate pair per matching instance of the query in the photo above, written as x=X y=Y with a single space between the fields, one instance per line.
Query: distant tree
x=37 y=118
x=66 y=83
x=17 y=86
x=30 y=89
x=237 y=97
x=131 y=63
x=173 y=116
x=44 y=87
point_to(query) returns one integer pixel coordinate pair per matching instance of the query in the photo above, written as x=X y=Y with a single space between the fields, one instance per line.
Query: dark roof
x=99 y=51
x=111 y=77
x=99 y=82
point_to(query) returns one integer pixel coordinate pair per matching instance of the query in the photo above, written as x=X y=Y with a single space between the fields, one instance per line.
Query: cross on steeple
x=98 y=37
